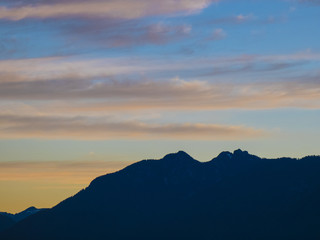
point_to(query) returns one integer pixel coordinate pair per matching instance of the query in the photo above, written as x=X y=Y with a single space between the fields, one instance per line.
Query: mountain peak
x=239 y=152
x=225 y=155
x=179 y=156
x=17 y=217
x=237 y=156
x=31 y=209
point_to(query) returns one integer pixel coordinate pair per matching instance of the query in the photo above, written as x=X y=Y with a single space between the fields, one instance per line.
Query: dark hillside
x=233 y=196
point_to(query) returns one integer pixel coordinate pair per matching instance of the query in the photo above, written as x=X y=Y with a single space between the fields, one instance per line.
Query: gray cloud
x=115 y=33
x=104 y=89
x=72 y=68
x=100 y=85
x=253 y=67
x=112 y=94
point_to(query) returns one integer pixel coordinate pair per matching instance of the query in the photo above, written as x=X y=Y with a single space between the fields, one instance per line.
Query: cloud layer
x=120 y=84
x=68 y=98
x=84 y=128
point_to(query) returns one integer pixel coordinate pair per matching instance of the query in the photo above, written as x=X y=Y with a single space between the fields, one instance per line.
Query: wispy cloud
x=108 y=88
x=88 y=68
x=113 y=33
x=118 y=84
x=176 y=94
x=91 y=128
x=316 y=2
x=247 y=19
x=116 y=9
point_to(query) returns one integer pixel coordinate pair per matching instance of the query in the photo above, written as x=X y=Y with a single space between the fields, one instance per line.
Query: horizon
x=87 y=88
x=84 y=186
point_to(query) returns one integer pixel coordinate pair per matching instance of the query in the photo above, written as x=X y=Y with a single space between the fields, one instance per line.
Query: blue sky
x=103 y=83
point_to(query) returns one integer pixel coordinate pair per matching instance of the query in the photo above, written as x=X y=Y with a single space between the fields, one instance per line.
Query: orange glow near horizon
x=45 y=184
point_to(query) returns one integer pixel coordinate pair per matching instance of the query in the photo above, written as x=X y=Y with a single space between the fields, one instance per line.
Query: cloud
x=315 y=2
x=123 y=95
x=88 y=25
x=300 y=93
x=50 y=68
x=65 y=67
x=114 y=9
x=107 y=33
x=122 y=84
x=247 y=18
x=253 y=67
x=107 y=88
x=115 y=94
x=102 y=128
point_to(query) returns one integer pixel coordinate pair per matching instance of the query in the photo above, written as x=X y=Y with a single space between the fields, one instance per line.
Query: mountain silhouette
x=5 y=222
x=21 y=215
x=234 y=196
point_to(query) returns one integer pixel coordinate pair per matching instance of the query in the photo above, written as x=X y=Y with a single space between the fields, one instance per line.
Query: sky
x=89 y=87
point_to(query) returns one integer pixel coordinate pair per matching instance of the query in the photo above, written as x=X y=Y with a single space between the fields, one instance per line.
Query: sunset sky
x=88 y=87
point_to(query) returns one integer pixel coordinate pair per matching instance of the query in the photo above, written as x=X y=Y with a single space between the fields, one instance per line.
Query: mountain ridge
x=9 y=219
x=233 y=196
x=21 y=215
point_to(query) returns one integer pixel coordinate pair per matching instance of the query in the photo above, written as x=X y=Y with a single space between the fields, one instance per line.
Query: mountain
x=22 y=215
x=233 y=196
x=5 y=222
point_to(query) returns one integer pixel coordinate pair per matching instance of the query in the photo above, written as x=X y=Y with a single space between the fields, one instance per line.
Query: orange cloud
x=119 y=9
x=101 y=81
x=68 y=68
x=94 y=128
x=113 y=95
